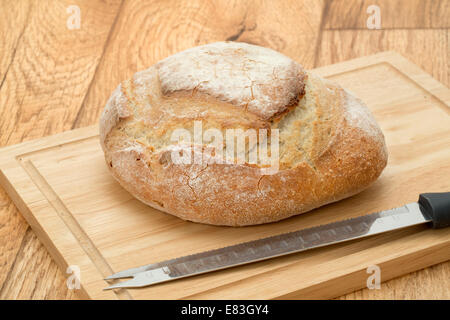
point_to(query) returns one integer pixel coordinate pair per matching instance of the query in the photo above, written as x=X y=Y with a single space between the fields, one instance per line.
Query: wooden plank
x=339 y=46
x=395 y=14
x=12 y=236
x=46 y=83
x=171 y=26
x=127 y=233
x=19 y=284
x=430 y=283
x=11 y=13
x=46 y=69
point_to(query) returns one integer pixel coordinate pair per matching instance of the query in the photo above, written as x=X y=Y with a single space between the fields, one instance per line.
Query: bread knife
x=432 y=208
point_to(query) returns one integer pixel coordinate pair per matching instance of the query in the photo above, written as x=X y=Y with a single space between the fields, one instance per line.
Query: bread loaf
x=329 y=145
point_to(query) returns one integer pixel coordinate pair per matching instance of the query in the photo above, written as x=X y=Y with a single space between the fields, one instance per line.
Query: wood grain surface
x=53 y=79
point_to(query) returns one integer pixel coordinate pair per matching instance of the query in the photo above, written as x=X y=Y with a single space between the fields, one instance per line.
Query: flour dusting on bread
x=263 y=81
x=358 y=115
x=116 y=108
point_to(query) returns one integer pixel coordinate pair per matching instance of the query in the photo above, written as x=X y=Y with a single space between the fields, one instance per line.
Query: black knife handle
x=437 y=207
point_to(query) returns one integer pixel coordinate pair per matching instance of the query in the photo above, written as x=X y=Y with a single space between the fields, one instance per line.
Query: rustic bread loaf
x=330 y=147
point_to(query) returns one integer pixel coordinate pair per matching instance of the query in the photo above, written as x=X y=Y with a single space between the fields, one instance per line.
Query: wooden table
x=55 y=76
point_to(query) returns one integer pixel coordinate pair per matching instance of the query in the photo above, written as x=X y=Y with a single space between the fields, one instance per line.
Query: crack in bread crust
x=330 y=146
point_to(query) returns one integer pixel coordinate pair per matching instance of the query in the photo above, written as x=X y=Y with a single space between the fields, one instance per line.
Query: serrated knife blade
x=279 y=245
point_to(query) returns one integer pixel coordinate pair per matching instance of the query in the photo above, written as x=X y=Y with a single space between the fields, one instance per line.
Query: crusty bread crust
x=330 y=145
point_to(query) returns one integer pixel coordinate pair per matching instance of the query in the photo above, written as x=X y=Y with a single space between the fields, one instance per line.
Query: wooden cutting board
x=62 y=187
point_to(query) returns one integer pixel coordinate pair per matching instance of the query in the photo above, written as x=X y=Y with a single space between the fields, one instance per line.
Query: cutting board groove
x=62 y=187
